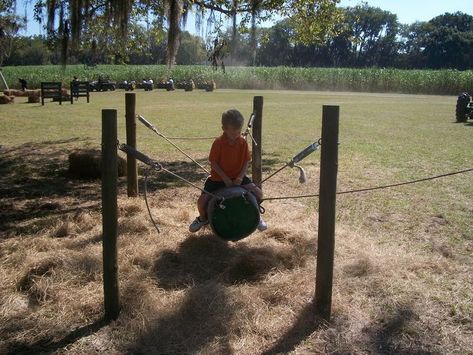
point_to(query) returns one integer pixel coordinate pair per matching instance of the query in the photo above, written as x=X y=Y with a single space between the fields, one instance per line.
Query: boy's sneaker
x=262 y=226
x=197 y=224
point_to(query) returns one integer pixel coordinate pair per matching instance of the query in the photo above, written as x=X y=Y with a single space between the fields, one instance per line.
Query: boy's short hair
x=232 y=118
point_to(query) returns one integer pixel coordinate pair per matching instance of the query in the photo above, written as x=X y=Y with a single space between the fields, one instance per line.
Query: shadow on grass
x=306 y=323
x=204 y=266
x=386 y=336
x=394 y=334
x=48 y=345
x=202 y=319
x=159 y=180
x=204 y=258
x=34 y=185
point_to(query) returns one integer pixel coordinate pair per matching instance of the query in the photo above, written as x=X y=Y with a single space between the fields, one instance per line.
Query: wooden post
x=131 y=167
x=326 y=233
x=110 y=213
x=256 y=165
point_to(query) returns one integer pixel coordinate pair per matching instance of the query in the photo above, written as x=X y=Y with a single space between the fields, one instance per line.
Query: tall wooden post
x=256 y=165
x=326 y=233
x=110 y=214
x=132 y=170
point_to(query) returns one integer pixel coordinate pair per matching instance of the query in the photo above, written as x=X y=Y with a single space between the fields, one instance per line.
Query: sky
x=410 y=11
x=407 y=11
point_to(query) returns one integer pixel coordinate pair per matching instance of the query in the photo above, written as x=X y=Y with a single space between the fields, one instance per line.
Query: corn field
x=441 y=82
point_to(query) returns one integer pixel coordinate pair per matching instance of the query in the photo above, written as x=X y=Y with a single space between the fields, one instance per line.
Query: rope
x=191 y=138
x=187 y=155
x=373 y=188
x=150 y=126
x=297 y=158
x=179 y=177
x=147 y=205
x=277 y=171
x=190 y=183
x=157 y=166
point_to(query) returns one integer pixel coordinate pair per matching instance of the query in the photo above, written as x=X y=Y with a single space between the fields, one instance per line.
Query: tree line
x=371 y=37
x=364 y=36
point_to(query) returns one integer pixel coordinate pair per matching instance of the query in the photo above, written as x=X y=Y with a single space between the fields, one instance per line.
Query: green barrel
x=236 y=217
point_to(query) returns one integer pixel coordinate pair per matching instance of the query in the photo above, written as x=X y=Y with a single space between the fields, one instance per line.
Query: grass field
x=403 y=263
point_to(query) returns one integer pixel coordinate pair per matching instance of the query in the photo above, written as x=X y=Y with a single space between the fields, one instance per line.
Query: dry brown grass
x=402 y=278
x=198 y=294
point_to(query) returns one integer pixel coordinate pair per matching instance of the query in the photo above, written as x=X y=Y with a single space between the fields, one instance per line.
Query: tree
x=448 y=41
x=10 y=24
x=411 y=49
x=371 y=34
x=29 y=51
x=191 y=50
x=277 y=46
x=312 y=19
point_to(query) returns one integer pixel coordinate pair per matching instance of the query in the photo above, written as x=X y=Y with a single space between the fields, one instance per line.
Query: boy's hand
x=237 y=181
x=228 y=182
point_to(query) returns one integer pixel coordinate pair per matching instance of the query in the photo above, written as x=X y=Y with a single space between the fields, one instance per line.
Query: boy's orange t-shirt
x=230 y=157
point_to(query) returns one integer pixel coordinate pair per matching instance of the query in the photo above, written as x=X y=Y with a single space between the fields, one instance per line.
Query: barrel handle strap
x=262 y=210
x=220 y=203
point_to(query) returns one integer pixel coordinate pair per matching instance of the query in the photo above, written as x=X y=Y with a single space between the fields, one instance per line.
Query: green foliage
x=445 y=82
x=313 y=20
x=370 y=37
x=10 y=24
x=449 y=41
x=191 y=50
x=29 y=51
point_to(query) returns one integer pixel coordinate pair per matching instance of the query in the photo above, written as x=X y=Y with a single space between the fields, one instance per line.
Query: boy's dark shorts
x=212 y=186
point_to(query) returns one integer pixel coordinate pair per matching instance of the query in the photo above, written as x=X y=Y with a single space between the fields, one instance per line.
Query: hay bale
x=86 y=164
x=13 y=92
x=210 y=85
x=66 y=96
x=5 y=99
x=190 y=85
x=187 y=85
x=33 y=96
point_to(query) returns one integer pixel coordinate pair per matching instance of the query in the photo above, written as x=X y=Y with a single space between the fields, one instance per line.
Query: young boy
x=229 y=159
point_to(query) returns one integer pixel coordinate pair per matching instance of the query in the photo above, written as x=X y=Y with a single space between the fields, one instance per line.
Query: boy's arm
x=239 y=178
x=228 y=182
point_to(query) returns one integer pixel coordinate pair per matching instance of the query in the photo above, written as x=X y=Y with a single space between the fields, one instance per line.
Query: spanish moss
x=174 y=17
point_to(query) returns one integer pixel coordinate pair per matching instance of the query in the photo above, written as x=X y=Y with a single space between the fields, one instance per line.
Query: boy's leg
x=255 y=190
x=209 y=186
x=200 y=221
x=202 y=202
x=202 y=206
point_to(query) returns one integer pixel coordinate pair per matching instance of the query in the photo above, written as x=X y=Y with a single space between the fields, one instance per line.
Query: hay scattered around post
x=86 y=164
